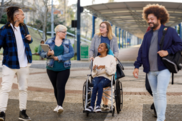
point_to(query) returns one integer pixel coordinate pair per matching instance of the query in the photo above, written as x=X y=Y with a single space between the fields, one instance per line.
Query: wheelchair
x=116 y=96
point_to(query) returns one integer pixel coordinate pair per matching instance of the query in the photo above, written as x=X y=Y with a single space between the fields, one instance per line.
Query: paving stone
x=43 y=111
x=173 y=113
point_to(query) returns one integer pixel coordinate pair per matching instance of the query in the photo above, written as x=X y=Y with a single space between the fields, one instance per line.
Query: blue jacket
x=172 y=43
x=8 y=42
x=68 y=53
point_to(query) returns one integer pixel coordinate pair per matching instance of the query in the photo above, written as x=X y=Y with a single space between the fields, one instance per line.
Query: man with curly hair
x=150 y=54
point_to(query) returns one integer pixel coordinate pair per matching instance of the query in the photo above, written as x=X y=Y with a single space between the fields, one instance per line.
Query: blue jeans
x=99 y=83
x=159 y=81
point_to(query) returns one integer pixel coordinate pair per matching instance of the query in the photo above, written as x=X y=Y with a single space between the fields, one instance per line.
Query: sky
x=89 y=2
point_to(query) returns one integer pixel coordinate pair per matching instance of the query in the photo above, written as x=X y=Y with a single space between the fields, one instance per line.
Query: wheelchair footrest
x=109 y=111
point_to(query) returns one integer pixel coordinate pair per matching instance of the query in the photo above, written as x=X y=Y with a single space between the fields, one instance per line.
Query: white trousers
x=7 y=81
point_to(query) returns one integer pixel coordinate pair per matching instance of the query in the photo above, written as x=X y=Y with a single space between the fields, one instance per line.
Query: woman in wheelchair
x=104 y=66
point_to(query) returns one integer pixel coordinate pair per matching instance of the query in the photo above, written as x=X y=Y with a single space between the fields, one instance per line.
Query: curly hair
x=158 y=10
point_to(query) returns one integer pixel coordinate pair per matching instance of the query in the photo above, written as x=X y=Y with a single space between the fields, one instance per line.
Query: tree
x=69 y=16
x=3 y=4
x=45 y=19
x=3 y=19
x=87 y=23
x=41 y=15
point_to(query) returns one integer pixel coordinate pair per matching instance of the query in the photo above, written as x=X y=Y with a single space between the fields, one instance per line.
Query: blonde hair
x=60 y=27
x=110 y=34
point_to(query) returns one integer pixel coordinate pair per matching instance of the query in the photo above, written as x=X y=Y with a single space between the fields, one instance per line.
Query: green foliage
x=36 y=49
x=178 y=31
x=37 y=24
x=70 y=30
x=3 y=19
x=35 y=57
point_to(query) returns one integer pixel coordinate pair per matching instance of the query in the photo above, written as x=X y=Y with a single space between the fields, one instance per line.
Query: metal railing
x=73 y=35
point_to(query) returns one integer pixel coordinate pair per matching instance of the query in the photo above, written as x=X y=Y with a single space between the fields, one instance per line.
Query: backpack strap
x=161 y=45
x=163 y=35
x=172 y=78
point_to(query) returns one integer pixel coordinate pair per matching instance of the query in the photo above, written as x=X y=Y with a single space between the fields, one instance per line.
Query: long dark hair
x=10 y=14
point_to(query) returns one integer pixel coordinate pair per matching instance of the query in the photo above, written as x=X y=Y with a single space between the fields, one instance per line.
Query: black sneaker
x=2 y=116
x=152 y=106
x=89 y=109
x=155 y=113
x=98 y=109
x=23 y=116
x=103 y=106
x=106 y=107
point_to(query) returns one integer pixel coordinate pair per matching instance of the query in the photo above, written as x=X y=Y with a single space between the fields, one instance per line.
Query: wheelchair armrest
x=113 y=75
x=89 y=74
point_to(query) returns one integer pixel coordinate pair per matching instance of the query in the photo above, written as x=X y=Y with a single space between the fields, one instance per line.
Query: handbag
x=119 y=70
x=173 y=62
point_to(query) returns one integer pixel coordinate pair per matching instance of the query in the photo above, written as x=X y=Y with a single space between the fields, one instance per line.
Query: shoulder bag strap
x=163 y=35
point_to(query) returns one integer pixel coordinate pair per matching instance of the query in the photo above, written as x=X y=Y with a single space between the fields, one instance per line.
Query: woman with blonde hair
x=58 y=67
x=104 y=36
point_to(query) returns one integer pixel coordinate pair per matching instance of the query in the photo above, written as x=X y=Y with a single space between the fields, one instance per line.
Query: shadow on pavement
x=173 y=113
x=43 y=111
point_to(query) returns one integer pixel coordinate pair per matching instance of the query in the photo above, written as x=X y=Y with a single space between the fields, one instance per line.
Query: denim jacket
x=68 y=53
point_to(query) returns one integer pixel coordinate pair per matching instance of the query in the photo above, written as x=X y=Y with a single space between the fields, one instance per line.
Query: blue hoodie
x=172 y=43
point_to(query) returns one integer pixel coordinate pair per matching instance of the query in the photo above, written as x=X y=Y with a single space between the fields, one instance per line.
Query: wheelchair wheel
x=113 y=111
x=121 y=96
x=118 y=96
x=84 y=95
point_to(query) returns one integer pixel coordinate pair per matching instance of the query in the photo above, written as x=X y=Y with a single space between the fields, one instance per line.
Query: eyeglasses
x=63 y=32
x=102 y=27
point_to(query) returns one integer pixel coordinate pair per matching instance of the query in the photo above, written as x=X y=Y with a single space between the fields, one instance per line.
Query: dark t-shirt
x=104 y=40
x=153 y=52
x=58 y=66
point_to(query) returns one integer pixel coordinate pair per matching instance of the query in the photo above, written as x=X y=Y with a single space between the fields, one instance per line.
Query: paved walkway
x=137 y=101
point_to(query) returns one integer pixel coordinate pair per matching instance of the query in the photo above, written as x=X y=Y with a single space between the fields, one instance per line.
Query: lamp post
x=79 y=11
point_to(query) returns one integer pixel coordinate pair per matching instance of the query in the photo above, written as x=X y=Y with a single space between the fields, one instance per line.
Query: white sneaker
x=56 y=109
x=98 y=109
x=59 y=109
x=89 y=109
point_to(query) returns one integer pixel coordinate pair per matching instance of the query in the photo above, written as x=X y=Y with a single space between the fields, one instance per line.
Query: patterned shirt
x=9 y=45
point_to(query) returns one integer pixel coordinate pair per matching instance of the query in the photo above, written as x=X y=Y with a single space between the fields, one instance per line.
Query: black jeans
x=58 y=80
